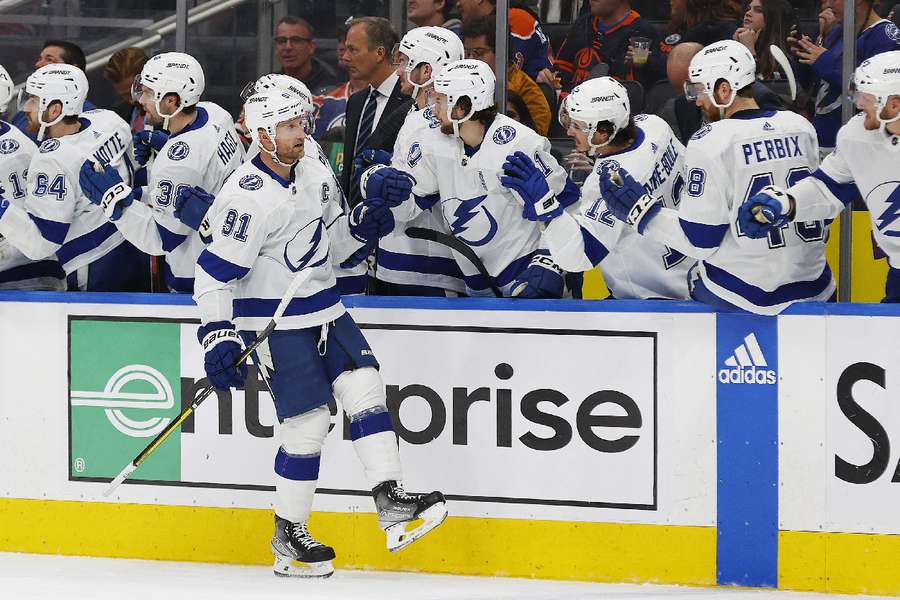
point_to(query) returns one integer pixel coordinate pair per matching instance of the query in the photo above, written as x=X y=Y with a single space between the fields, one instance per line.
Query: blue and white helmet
x=6 y=89
x=279 y=82
x=265 y=111
x=593 y=102
x=878 y=77
x=435 y=46
x=468 y=78
x=55 y=82
x=170 y=73
x=728 y=60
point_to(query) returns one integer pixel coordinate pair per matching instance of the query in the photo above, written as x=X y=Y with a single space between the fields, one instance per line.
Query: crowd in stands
x=606 y=37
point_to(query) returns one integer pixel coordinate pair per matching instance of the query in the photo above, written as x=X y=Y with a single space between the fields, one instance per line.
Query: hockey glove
x=542 y=278
x=771 y=208
x=365 y=159
x=222 y=346
x=359 y=256
x=191 y=205
x=371 y=220
x=147 y=141
x=626 y=199
x=105 y=189
x=390 y=184
x=525 y=179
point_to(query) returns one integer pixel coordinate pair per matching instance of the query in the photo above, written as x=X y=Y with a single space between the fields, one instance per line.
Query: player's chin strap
x=417 y=86
x=166 y=118
x=274 y=154
x=44 y=126
x=593 y=148
x=885 y=122
x=457 y=122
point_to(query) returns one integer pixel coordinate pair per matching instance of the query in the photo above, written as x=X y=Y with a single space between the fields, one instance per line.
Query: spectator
x=479 y=37
x=59 y=52
x=684 y=117
x=767 y=23
x=604 y=36
x=431 y=12
x=702 y=21
x=332 y=105
x=530 y=48
x=295 y=48
x=822 y=63
x=120 y=71
x=370 y=42
x=894 y=15
x=517 y=110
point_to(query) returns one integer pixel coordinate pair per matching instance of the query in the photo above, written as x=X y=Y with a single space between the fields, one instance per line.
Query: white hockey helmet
x=879 y=78
x=170 y=73
x=472 y=79
x=266 y=111
x=728 y=60
x=66 y=84
x=278 y=82
x=6 y=89
x=596 y=101
x=435 y=46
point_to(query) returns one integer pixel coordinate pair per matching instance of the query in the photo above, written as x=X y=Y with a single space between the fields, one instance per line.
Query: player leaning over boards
x=56 y=217
x=865 y=163
x=196 y=146
x=262 y=235
x=458 y=169
x=741 y=151
x=17 y=271
x=597 y=115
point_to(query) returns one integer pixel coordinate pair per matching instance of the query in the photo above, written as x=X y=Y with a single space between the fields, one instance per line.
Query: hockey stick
x=295 y=284
x=785 y=64
x=421 y=233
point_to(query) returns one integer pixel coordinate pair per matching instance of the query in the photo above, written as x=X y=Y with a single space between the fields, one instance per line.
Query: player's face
x=28 y=104
x=50 y=55
x=289 y=139
x=868 y=105
x=440 y=111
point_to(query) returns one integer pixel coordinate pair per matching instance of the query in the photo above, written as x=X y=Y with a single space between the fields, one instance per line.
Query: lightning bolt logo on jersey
x=887 y=195
x=472 y=218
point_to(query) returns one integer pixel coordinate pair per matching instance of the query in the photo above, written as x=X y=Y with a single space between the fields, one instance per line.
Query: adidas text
x=747 y=375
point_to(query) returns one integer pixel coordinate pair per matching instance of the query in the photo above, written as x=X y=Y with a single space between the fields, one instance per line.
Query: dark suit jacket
x=380 y=134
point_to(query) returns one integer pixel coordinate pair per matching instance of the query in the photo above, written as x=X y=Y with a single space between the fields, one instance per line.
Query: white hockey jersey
x=264 y=230
x=477 y=209
x=56 y=216
x=633 y=266
x=202 y=154
x=408 y=261
x=867 y=164
x=727 y=162
x=17 y=271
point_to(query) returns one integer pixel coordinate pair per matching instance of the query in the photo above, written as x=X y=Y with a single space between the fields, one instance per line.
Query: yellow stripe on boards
x=466 y=546
x=844 y=563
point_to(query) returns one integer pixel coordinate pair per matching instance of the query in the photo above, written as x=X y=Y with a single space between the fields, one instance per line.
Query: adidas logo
x=654 y=147
x=747 y=365
x=768 y=127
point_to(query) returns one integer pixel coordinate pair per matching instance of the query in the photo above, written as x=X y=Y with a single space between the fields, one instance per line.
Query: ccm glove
x=105 y=189
x=191 y=205
x=390 y=184
x=542 y=278
x=626 y=198
x=525 y=179
x=370 y=220
x=147 y=141
x=222 y=346
x=771 y=208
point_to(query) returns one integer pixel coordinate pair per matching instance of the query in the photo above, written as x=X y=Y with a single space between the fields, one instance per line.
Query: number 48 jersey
x=727 y=162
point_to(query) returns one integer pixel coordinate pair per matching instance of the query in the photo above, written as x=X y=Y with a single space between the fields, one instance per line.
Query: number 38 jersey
x=727 y=162
x=633 y=266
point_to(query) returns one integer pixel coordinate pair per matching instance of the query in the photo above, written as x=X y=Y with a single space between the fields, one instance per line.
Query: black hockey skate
x=397 y=510
x=299 y=554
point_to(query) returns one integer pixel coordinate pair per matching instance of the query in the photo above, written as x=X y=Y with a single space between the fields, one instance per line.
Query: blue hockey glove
x=767 y=210
x=525 y=179
x=390 y=184
x=147 y=141
x=626 y=199
x=222 y=346
x=542 y=278
x=191 y=205
x=359 y=256
x=105 y=189
x=365 y=159
x=370 y=220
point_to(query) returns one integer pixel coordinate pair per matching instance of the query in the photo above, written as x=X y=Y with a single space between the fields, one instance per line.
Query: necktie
x=367 y=121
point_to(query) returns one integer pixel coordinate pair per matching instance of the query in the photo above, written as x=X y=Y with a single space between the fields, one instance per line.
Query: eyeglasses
x=294 y=40
x=477 y=53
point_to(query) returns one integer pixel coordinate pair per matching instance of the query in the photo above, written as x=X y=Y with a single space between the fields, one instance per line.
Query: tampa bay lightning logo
x=179 y=151
x=433 y=121
x=473 y=219
x=608 y=165
x=299 y=252
x=251 y=182
x=887 y=195
x=641 y=117
x=49 y=146
x=892 y=32
x=415 y=154
x=702 y=132
x=8 y=146
x=504 y=135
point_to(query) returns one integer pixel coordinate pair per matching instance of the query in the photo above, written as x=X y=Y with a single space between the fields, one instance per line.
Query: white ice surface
x=42 y=577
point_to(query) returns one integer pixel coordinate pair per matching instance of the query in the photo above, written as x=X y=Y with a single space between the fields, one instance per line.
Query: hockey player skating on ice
x=597 y=116
x=195 y=145
x=262 y=235
x=56 y=216
x=17 y=271
x=481 y=169
x=865 y=163
x=740 y=152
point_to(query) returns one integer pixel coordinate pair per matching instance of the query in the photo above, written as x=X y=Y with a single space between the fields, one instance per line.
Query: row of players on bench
x=709 y=222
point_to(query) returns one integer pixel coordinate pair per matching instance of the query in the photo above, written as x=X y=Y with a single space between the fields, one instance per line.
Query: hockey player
x=597 y=115
x=864 y=163
x=458 y=167
x=740 y=152
x=197 y=146
x=56 y=217
x=265 y=229
x=17 y=271
x=408 y=266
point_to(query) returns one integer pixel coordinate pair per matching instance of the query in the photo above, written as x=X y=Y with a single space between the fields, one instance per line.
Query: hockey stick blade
x=421 y=233
x=130 y=468
x=785 y=64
